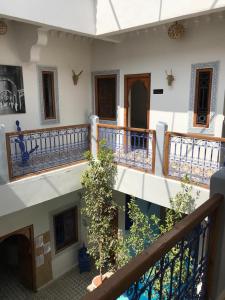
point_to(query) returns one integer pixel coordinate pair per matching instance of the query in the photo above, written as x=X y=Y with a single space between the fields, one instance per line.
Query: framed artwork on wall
x=12 y=100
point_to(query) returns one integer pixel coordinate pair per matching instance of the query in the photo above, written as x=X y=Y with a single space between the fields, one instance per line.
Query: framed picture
x=12 y=100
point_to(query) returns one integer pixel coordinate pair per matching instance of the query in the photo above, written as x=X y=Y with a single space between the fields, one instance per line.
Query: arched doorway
x=137 y=100
x=17 y=259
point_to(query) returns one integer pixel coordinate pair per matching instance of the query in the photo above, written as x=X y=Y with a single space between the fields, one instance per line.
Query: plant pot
x=98 y=280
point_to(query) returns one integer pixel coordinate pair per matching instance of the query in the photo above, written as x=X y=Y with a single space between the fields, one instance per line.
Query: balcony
x=197 y=156
x=178 y=265
x=36 y=151
x=148 y=161
x=158 y=152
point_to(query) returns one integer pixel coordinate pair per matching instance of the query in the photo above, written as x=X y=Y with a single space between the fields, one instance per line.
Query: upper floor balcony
x=158 y=152
x=181 y=264
x=148 y=161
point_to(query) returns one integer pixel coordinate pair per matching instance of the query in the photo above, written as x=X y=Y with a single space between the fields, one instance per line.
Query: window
x=66 y=228
x=105 y=96
x=203 y=88
x=48 y=93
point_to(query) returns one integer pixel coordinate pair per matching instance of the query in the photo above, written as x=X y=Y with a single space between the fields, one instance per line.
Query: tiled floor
x=71 y=286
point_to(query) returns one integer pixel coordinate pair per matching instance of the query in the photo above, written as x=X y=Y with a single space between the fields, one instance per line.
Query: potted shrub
x=100 y=209
x=145 y=229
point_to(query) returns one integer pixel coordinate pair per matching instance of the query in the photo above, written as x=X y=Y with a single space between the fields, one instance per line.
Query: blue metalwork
x=84 y=260
x=179 y=274
x=197 y=158
x=50 y=148
x=25 y=155
x=130 y=148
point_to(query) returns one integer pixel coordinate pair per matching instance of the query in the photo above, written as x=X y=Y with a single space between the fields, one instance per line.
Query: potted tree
x=100 y=209
x=145 y=229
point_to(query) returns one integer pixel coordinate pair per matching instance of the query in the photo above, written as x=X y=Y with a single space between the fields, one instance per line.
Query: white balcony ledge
x=36 y=189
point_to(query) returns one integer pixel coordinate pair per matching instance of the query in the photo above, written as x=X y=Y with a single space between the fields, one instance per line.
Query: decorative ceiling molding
x=42 y=41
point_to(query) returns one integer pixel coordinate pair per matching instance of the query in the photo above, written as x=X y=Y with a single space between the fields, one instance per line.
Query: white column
x=217 y=185
x=161 y=129
x=4 y=176
x=94 y=120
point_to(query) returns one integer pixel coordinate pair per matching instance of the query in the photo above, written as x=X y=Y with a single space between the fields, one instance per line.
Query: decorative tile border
x=194 y=67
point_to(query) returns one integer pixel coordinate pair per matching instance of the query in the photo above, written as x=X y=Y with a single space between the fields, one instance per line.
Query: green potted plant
x=145 y=229
x=100 y=209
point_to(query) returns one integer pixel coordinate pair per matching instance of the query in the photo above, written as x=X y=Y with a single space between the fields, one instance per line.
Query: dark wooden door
x=105 y=97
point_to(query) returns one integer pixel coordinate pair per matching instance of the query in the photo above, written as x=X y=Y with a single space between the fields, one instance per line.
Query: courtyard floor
x=71 y=286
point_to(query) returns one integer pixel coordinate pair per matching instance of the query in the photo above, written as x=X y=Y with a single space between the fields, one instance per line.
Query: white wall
x=73 y=15
x=115 y=15
x=155 y=189
x=62 y=52
x=153 y=52
x=30 y=191
x=41 y=218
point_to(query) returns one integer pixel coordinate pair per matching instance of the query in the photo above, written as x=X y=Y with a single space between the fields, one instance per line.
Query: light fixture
x=176 y=31
x=3 y=27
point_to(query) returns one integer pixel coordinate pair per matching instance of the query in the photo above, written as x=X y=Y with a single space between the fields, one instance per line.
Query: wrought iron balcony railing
x=197 y=156
x=178 y=265
x=34 y=151
x=132 y=147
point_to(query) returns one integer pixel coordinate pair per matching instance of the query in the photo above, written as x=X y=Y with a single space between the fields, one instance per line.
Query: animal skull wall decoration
x=170 y=78
x=76 y=77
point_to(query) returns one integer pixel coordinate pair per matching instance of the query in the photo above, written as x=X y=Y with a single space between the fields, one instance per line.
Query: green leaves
x=99 y=207
x=146 y=229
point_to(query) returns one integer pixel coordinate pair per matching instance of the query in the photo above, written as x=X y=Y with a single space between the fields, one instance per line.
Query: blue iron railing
x=49 y=148
x=175 y=266
x=179 y=274
x=132 y=147
x=196 y=156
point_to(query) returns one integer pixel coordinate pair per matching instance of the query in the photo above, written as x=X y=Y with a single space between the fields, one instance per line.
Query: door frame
x=28 y=232
x=127 y=85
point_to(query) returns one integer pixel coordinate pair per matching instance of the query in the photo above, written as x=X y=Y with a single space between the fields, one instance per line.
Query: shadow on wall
x=213 y=4
x=121 y=180
x=11 y=202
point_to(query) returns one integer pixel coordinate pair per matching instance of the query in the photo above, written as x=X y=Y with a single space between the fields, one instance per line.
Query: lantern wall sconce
x=170 y=78
x=3 y=27
x=176 y=31
x=76 y=76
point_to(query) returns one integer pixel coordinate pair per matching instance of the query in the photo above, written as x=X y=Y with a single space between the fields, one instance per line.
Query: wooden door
x=105 y=97
x=129 y=83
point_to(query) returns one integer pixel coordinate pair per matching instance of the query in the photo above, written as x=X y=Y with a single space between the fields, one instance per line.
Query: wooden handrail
x=196 y=136
x=125 y=128
x=123 y=278
x=15 y=133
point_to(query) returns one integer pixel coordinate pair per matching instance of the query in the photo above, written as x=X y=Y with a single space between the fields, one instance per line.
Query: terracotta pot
x=97 y=280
